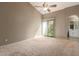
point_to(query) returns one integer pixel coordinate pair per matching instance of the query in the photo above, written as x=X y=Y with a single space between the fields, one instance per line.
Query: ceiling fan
x=47 y=7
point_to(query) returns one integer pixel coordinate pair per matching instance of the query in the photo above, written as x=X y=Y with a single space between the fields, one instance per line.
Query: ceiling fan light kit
x=45 y=8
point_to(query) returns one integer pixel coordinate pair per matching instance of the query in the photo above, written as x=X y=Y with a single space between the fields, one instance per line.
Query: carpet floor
x=41 y=47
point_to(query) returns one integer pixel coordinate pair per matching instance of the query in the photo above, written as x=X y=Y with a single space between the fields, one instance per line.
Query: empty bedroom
x=39 y=28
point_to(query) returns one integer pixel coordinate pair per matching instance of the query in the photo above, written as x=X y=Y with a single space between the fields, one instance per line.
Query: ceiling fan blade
x=53 y=5
x=37 y=6
x=44 y=4
x=48 y=10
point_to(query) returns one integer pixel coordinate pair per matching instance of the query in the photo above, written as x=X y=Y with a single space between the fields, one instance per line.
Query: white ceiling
x=60 y=5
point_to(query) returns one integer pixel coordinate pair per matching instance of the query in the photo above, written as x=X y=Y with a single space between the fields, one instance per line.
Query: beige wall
x=62 y=17
x=18 y=22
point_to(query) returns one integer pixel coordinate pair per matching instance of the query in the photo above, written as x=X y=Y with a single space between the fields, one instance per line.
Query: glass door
x=48 y=28
x=51 y=28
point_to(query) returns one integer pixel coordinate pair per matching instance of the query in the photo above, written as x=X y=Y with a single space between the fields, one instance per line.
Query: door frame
x=52 y=19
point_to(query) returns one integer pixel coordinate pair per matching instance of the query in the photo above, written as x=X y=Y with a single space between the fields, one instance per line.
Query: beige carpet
x=41 y=47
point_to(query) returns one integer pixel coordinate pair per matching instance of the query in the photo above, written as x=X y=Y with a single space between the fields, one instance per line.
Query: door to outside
x=48 y=28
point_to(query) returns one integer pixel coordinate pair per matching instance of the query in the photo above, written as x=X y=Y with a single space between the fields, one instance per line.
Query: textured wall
x=18 y=22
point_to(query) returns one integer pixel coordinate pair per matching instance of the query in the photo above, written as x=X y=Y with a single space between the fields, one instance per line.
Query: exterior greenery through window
x=51 y=28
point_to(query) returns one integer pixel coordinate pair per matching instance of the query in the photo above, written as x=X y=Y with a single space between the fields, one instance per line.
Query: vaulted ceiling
x=60 y=5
